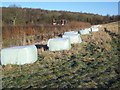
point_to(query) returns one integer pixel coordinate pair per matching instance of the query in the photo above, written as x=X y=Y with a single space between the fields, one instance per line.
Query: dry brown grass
x=113 y=27
x=86 y=38
x=41 y=33
x=73 y=66
x=99 y=38
x=54 y=57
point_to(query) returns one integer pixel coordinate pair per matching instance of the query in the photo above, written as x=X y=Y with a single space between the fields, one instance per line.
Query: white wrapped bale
x=74 y=38
x=58 y=44
x=89 y=29
x=19 y=55
x=95 y=29
x=71 y=32
x=96 y=26
x=100 y=25
x=85 y=31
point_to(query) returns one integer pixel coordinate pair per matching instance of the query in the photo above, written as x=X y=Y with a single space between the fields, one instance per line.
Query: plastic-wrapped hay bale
x=85 y=31
x=89 y=29
x=71 y=32
x=95 y=29
x=100 y=26
x=96 y=26
x=19 y=55
x=58 y=44
x=74 y=38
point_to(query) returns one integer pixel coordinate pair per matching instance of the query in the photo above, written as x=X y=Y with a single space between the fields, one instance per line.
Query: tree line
x=28 y=16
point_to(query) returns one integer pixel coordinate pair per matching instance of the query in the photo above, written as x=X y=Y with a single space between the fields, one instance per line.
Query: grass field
x=91 y=64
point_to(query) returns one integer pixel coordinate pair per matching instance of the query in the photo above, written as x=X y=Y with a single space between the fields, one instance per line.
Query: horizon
x=100 y=8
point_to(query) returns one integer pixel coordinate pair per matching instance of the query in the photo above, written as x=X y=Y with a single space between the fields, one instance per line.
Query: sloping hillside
x=25 y=26
x=91 y=64
x=27 y=35
x=27 y=16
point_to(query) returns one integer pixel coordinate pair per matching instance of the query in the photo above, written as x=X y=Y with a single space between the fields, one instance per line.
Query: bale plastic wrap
x=96 y=26
x=19 y=55
x=71 y=32
x=85 y=31
x=59 y=44
x=74 y=38
x=95 y=29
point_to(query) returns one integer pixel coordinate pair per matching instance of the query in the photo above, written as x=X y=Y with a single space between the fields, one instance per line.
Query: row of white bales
x=20 y=55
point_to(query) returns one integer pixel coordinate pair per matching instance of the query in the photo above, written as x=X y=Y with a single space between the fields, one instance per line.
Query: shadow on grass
x=39 y=46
